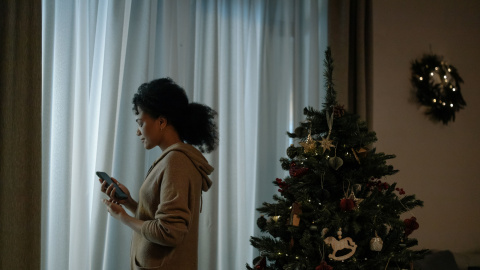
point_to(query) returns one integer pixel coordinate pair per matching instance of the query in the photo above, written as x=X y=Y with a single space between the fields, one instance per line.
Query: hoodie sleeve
x=177 y=193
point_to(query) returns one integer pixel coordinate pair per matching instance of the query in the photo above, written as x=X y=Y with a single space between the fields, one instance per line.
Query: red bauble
x=296 y=171
x=347 y=204
x=411 y=225
x=324 y=266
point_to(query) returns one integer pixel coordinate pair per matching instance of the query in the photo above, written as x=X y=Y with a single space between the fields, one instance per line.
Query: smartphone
x=118 y=191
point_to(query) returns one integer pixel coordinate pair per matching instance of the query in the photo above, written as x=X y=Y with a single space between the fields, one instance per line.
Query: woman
x=165 y=223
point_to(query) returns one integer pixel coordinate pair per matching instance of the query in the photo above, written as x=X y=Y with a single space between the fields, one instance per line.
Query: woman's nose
x=138 y=132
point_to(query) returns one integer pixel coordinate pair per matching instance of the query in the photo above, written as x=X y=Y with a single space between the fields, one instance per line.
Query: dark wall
x=439 y=163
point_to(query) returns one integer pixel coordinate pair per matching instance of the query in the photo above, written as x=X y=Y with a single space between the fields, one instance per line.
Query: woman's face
x=149 y=129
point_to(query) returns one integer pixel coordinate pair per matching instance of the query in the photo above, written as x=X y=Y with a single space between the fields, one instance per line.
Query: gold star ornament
x=357 y=201
x=309 y=144
x=326 y=144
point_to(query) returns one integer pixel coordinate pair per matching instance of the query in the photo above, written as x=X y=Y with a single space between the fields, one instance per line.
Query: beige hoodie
x=169 y=203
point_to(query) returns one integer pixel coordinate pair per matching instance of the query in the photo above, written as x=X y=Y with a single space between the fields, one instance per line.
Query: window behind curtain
x=258 y=63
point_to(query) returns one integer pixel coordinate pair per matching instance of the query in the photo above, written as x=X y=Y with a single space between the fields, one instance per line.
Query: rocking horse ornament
x=337 y=245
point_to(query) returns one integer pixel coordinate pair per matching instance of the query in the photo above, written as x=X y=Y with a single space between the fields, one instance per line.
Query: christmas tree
x=335 y=210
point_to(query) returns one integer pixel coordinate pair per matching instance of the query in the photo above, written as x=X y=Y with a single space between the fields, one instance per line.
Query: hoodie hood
x=197 y=159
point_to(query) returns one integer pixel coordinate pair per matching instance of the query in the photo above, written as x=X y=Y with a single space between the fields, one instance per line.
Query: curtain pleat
x=257 y=63
x=350 y=38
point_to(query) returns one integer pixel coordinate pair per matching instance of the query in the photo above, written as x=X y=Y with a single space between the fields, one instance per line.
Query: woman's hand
x=110 y=191
x=129 y=203
x=115 y=209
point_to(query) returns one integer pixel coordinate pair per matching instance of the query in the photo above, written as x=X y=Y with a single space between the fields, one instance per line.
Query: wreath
x=437 y=87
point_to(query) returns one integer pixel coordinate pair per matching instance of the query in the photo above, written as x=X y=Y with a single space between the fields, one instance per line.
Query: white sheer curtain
x=258 y=63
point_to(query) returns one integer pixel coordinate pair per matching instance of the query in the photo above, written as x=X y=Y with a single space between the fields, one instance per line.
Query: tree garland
x=437 y=86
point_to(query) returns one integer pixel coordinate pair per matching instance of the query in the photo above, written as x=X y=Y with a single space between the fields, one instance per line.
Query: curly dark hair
x=194 y=122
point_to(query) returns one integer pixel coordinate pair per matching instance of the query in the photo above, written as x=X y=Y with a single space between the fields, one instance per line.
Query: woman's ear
x=162 y=122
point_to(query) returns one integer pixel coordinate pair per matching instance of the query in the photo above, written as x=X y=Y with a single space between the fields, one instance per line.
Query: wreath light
x=437 y=86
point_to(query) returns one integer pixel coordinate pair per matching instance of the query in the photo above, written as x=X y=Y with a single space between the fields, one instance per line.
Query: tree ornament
x=262 y=223
x=309 y=145
x=356 y=200
x=274 y=218
x=337 y=245
x=437 y=86
x=324 y=232
x=376 y=243
x=323 y=194
x=301 y=132
x=350 y=203
x=335 y=162
x=410 y=225
x=296 y=171
x=356 y=156
x=357 y=187
x=324 y=266
x=291 y=151
x=347 y=204
x=295 y=214
x=360 y=153
x=326 y=143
